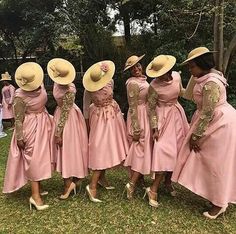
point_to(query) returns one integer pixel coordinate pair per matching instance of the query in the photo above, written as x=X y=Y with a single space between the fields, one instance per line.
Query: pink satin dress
x=34 y=162
x=140 y=153
x=108 y=145
x=8 y=92
x=172 y=124
x=210 y=172
x=72 y=158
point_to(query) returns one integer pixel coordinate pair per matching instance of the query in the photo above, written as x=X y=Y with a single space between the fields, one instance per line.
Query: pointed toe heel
x=71 y=188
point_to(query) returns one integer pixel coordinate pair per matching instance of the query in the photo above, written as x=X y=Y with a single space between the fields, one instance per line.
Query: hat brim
x=36 y=83
x=69 y=78
x=93 y=86
x=195 y=56
x=154 y=74
x=139 y=58
x=6 y=79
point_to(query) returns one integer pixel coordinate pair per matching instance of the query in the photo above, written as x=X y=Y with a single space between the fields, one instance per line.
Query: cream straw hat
x=131 y=61
x=5 y=76
x=29 y=76
x=61 y=71
x=196 y=53
x=160 y=65
x=98 y=75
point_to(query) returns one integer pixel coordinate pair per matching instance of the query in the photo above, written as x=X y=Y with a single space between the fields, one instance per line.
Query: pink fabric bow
x=104 y=67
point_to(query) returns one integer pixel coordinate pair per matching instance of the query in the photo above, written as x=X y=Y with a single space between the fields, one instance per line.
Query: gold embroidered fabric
x=182 y=90
x=133 y=95
x=211 y=95
x=19 y=108
x=152 y=103
x=67 y=103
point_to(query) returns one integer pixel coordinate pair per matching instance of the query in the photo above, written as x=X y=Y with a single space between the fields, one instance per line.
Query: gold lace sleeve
x=152 y=102
x=19 y=107
x=68 y=101
x=211 y=94
x=133 y=94
x=182 y=90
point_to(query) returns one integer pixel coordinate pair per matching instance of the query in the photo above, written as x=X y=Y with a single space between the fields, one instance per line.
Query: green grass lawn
x=116 y=214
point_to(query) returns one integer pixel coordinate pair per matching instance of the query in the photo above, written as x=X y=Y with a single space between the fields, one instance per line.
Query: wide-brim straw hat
x=132 y=60
x=98 y=75
x=196 y=53
x=29 y=76
x=61 y=71
x=5 y=76
x=160 y=65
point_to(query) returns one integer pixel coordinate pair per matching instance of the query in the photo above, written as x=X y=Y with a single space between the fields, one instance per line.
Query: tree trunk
x=219 y=34
x=229 y=53
x=126 y=19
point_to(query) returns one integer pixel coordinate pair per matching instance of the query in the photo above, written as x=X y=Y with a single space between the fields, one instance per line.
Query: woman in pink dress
x=207 y=160
x=167 y=120
x=108 y=143
x=69 y=134
x=29 y=157
x=8 y=92
x=138 y=127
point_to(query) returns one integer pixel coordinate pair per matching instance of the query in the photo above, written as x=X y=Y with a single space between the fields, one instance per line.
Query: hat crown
x=198 y=51
x=159 y=62
x=60 y=69
x=6 y=76
x=131 y=60
x=27 y=75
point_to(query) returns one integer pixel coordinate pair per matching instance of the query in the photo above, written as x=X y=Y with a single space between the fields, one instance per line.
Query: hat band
x=23 y=81
x=56 y=73
x=97 y=78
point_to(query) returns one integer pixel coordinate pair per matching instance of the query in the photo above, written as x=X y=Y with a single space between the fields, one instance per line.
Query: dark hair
x=205 y=61
x=170 y=71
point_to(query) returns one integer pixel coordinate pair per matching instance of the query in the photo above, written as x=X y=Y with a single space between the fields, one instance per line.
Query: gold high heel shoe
x=91 y=197
x=109 y=187
x=71 y=188
x=221 y=211
x=152 y=202
x=38 y=207
x=129 y=188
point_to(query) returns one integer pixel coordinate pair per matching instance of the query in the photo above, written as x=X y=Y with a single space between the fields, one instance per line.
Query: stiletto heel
x=145 y=194
x=38 y=207
x=221 y=211
x=129 y=190
x=152 y=202
x=71 y=188
x=91 y=197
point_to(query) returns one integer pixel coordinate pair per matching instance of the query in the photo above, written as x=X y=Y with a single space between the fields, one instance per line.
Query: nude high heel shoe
x=152 y=202
x=91 y=197
x=221 y=211
x=71 y=188
x=38 y=207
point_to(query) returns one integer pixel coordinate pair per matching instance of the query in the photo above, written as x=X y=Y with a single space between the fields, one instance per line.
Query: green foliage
x=28 y=25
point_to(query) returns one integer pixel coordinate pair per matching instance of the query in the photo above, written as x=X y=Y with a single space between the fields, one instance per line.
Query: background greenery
x=82 y=31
